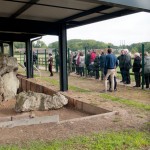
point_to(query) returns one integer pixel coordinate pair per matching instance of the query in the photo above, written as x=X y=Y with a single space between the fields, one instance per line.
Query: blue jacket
x=102 y=61
x=111 y=61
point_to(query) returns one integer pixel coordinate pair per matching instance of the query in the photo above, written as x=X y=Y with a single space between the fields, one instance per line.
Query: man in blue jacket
x=111 y=63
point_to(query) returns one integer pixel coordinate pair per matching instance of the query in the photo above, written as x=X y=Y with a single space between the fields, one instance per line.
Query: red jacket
x=93 y=56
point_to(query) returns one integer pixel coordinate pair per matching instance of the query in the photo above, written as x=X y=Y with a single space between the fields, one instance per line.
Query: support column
x=29 y=63
x=142 y=66
x=63 y=58
x=11 y=51
x=1 y=48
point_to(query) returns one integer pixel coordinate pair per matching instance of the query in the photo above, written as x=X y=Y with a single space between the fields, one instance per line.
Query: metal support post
x=29 y=63
x=45 y=61
x=37 y=52
x=11 y=51
x=20 y=57
x=68 y=62
x=55 y=61
x=142 y=66
x=85 y=61
x=63 y=58
x=1 y=48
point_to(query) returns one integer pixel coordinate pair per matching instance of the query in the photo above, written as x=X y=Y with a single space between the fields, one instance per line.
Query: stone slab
x=32 y=121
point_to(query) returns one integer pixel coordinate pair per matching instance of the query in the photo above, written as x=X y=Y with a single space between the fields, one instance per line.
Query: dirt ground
x=127 y=117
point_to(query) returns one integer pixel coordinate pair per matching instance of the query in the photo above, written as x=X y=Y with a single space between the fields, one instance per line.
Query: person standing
x=96 y=66
x=57 y=61
x=87 y=62
x=136 y=69
x=127 y=66
x=34 y=59
x=147 y=69
x=111 y=63
x=121 y=59
x=81 y=64
x=50 y=61
x=102 y=64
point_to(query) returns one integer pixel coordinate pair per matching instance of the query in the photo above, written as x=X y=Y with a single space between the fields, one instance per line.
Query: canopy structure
x=21 y=20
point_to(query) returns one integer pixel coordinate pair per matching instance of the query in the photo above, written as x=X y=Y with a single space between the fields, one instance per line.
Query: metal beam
x=7 y=37
x=63 y=58
x=104 y=17
x=24 y=8
x=88 y=12
x=28 y=26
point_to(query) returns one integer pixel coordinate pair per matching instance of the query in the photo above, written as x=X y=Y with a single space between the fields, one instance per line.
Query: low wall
x=27 y=85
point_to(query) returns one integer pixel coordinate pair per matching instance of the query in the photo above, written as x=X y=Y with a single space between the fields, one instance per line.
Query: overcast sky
x=123 y=30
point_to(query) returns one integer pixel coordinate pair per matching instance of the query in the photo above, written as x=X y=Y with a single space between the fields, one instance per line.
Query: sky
x=124 y=30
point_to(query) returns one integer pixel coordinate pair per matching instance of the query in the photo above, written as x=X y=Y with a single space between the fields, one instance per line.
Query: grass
x=71 y=87
x=123 y=140
x=127 y=102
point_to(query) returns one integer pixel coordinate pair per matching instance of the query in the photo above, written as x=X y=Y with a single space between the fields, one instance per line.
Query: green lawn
x=123 y=140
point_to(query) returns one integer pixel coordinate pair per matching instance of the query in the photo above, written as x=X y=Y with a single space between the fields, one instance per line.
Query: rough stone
x=29 y=101
x=9 y=83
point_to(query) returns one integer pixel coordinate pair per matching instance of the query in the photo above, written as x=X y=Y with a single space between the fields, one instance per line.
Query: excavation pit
x=74 y=110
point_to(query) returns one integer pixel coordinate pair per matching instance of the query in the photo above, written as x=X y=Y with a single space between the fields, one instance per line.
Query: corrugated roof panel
x=8 y=8
x=44 y=13
x=88 y=17
x=70 y=3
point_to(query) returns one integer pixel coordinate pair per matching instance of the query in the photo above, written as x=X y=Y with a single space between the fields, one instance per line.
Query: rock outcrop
x=8 y=80
x=29 y=101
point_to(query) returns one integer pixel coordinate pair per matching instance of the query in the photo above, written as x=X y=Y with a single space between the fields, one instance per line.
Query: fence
x=43 y=57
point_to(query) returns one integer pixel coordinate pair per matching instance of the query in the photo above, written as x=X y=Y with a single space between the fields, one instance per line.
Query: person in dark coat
x=87 y=62
x=50 y=61
x=127 y=67
x=102 y=64
x=35 y=59
x=121 y=59
x=136 y=69
x=96 y=67
x=57 y=61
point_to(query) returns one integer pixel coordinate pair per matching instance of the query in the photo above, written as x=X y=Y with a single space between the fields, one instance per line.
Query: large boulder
x=9 y=83
x=29 y=101
x=7 y=64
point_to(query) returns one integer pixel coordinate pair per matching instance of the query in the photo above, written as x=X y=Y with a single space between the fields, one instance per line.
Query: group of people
x=107 y=62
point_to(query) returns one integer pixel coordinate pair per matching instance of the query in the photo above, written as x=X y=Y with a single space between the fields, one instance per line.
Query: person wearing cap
x=50 y=61
x=136 y=69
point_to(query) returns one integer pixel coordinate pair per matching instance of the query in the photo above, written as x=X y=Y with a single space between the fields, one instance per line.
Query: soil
x=127 y=117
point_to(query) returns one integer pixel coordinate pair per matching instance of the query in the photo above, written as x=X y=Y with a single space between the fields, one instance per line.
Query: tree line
x=78 y=44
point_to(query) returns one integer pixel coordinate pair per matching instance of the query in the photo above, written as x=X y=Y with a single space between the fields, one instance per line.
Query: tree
x=18 y=45
x=39 y=44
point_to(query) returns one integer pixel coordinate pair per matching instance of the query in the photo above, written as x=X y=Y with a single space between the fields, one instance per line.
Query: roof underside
x=42 y=17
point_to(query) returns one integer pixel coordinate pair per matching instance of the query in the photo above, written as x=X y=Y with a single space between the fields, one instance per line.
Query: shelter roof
x=42 y=17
